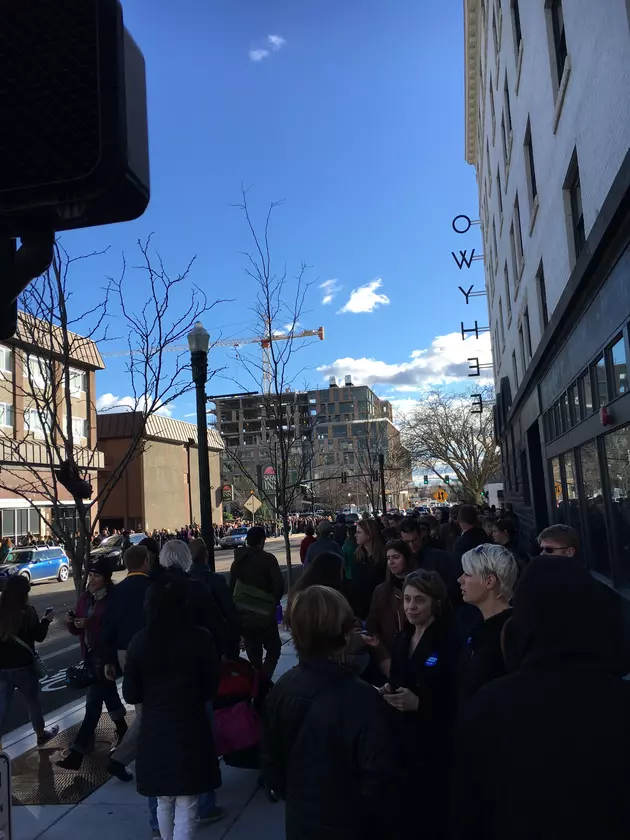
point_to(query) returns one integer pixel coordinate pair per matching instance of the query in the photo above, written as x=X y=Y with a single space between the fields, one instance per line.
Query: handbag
x=80 y=676
x=40 y=668
x=237 y=726
x=255 y=607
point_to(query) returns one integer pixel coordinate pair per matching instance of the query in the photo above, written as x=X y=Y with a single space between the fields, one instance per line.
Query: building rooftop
x=32 y=332
x=122 y=424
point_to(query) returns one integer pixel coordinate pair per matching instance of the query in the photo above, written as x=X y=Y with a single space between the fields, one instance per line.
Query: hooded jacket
x=545 y=752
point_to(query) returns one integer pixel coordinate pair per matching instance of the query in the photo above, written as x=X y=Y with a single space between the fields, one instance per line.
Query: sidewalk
x=116 y=812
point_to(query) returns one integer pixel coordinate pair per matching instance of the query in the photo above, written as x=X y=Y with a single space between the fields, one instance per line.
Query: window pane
x=34 y=522
x=619 y=368
x=600 y=381
x=564 y=410
x=577 y=407
x=21 y=522
x=618 y=461
x=557 y=488
x=588 y=393
x=573 y=418
x=573 y=503
x=597 y=535
x=8 y=523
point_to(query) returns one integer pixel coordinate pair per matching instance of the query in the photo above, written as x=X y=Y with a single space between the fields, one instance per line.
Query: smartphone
x=49 y=610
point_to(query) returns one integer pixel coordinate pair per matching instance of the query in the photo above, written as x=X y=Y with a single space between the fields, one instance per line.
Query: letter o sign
x=457 y=224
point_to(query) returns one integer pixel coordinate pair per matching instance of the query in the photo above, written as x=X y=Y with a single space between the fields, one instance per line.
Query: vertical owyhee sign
x=5 y=797
x=461 y=224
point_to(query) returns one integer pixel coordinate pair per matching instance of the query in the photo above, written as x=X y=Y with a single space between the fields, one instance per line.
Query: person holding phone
x=20 y=629
x=87 y=623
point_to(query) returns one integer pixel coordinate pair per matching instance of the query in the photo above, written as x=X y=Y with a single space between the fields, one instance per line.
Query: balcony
x=13 y=452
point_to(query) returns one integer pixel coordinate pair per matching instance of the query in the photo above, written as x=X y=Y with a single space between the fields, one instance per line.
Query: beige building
x=160 y=488
x=36 y=426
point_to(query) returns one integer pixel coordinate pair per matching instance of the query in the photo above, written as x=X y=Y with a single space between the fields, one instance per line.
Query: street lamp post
x=198 y=342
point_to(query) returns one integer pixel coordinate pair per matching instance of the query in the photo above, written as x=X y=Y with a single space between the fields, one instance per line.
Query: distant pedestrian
x=20 y=629
x=325 y=542
x=309 y=538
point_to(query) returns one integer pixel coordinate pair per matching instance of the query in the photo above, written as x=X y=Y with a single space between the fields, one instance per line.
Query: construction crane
x=265 y=344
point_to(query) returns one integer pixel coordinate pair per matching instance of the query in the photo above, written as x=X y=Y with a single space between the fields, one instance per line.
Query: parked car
x=112 y=549
x=236 y=537
x=36 y=564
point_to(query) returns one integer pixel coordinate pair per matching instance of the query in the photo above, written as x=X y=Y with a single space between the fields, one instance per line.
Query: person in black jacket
x=505 y=533
x=326 y=747
x=123 y=619
x=20 y=628
x=425 y=556
x=421 y=692
x=472 y=532
x=545 y=752
x=220 y=591
x=173 y=670
x=488 y=580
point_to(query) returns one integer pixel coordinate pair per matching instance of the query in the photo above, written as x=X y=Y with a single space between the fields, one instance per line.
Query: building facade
x=160 y=487
x=34 y=427
x=548 y=131
x=349 y=427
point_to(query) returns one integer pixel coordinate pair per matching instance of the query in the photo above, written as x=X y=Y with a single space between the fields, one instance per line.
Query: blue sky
x=351 y=112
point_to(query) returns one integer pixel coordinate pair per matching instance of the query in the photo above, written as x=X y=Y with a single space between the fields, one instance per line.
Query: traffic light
x=426 y=479
x=344 y=478
x=374 y=475
x=74 y=140
x=447 y=479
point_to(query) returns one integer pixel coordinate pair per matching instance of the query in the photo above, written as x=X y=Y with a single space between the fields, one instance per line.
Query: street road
x=60 y=650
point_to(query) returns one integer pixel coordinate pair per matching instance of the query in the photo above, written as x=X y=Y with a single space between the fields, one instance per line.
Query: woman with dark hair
x=421 y=692
x=87 y=623
x=325 y=570
x=20 y=628
x=173 y=670
x=387 y=615
x=326 y=747
x=369 y=567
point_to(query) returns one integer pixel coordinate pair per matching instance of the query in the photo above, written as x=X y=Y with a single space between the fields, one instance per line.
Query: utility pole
x=381 y=470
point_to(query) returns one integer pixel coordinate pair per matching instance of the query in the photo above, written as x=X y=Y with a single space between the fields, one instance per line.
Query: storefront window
x=557 y=489
x=573 y=501
x=618 y=461
x=600 y=380
x=619 y=367
x=596 y=548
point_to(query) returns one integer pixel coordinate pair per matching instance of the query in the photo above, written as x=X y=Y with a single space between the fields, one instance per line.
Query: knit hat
x=102 y=567
x=325 y=528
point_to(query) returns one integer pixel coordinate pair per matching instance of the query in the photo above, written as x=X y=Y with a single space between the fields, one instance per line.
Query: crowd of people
x=449 y=684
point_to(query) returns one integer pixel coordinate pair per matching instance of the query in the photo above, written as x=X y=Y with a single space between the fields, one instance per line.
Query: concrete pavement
x=116 y=811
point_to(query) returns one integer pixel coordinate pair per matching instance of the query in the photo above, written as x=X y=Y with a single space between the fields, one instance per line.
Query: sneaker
x=47 y=735
x=117 y=769
x=216 y=815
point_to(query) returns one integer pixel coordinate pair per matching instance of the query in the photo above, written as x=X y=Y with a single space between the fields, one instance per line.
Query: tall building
x=34 y=423
x=548 y=131
x=349 y=427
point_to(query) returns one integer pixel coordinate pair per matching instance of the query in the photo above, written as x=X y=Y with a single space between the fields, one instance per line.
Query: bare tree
x=445 y=437
x=52 y=337
x=373 y=439
x=286 y=428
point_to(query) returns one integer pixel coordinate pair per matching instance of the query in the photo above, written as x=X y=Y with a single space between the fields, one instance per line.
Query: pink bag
x=236 y=728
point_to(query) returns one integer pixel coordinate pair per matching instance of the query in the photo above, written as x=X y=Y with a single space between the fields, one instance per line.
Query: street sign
x=227 y=493
x=252 y=505
x=440 y=495
x=5 y=797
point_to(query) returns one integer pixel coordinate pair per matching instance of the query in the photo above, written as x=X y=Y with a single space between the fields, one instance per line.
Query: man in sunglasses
x=559 y=540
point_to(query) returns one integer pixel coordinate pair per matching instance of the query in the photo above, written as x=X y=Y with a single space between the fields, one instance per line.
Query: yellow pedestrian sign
x=440 y=495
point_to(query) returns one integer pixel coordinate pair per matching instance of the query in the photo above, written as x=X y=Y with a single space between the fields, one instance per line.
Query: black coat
x=220 y=591
x=327 y=751
x=174 y=677
x=469 y=539
x=423 y=737
x=124 y=616
x=545 y=752
x=481 y=659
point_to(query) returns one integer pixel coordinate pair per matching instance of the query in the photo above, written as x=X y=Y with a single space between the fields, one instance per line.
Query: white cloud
x=258 y=55
x=365 y=298
x=444 y=361
x=274 y=42
x=109 y=403
x=330 y=288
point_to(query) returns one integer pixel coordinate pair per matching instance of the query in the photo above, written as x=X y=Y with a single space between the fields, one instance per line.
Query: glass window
x=6 y=415
x=557 y=489
x=79 y=427
x=78 y=382
x=564 y=412
x=618 y=461
x=572 y=500
x=346 y=407
x=596 y=549
x=6 y=359
x=577 y=405
x=34 y=522
x=38 y=371
x=619 y=367
x=559 y=37
x=21 y=518
x=600 y=382
x=558 y=419
x=573 y=418
x=8 y=523
x=587 y=391
x=340 y=431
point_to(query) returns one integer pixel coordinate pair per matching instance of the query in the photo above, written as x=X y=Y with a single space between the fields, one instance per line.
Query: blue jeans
x=26 y=681
x=207 y=801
